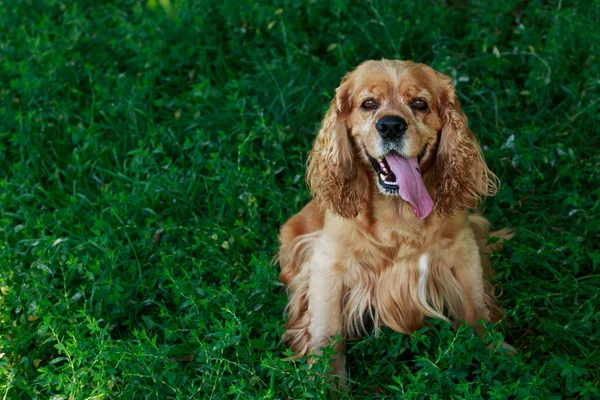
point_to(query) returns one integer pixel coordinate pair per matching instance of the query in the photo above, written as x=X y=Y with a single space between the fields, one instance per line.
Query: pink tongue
x=410 y=184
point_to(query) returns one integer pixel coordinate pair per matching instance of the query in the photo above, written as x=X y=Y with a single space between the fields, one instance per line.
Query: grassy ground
x=148 y=156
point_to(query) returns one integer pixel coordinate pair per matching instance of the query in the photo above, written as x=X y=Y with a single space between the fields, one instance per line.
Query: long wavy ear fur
x=332 y=170
x=462 y=176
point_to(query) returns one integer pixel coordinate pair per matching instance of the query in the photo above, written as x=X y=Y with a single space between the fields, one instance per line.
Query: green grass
x=148 y=158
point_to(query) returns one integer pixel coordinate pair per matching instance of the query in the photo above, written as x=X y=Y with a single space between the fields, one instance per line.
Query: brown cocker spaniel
x=387 y=239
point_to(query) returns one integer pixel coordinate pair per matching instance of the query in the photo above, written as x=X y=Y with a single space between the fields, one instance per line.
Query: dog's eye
x=369 y=104
x=419 y=104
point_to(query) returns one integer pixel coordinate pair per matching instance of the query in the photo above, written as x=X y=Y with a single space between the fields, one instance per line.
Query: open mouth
x=398 y=175
x=387 y=178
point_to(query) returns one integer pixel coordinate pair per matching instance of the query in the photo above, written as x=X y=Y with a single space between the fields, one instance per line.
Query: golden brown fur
x=355 y=257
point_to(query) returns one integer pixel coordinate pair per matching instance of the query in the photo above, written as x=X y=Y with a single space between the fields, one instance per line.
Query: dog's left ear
x=462 y=176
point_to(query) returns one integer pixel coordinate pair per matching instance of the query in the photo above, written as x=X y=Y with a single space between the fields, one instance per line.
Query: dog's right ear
x=332 y=171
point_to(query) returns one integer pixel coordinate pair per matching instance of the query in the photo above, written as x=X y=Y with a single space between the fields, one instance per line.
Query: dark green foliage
x=149 y=155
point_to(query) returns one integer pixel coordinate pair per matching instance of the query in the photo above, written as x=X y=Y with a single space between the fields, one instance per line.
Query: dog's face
x=393 y=115
x=397 y=120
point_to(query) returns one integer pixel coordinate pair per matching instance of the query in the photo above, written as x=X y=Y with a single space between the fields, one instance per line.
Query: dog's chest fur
x=400 y=273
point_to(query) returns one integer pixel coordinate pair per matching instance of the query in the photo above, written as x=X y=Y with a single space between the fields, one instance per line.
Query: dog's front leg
x=325 y=293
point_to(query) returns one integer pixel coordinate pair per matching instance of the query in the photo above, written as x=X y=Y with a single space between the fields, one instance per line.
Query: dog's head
x=397 y=121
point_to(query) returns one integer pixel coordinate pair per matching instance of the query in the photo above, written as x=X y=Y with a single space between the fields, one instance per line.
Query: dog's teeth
x=382 y=176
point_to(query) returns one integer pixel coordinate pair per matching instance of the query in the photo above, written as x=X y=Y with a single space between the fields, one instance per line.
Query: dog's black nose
x=391 y=127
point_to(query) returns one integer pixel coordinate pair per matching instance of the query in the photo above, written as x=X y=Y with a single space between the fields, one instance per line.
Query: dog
x=387 y=239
